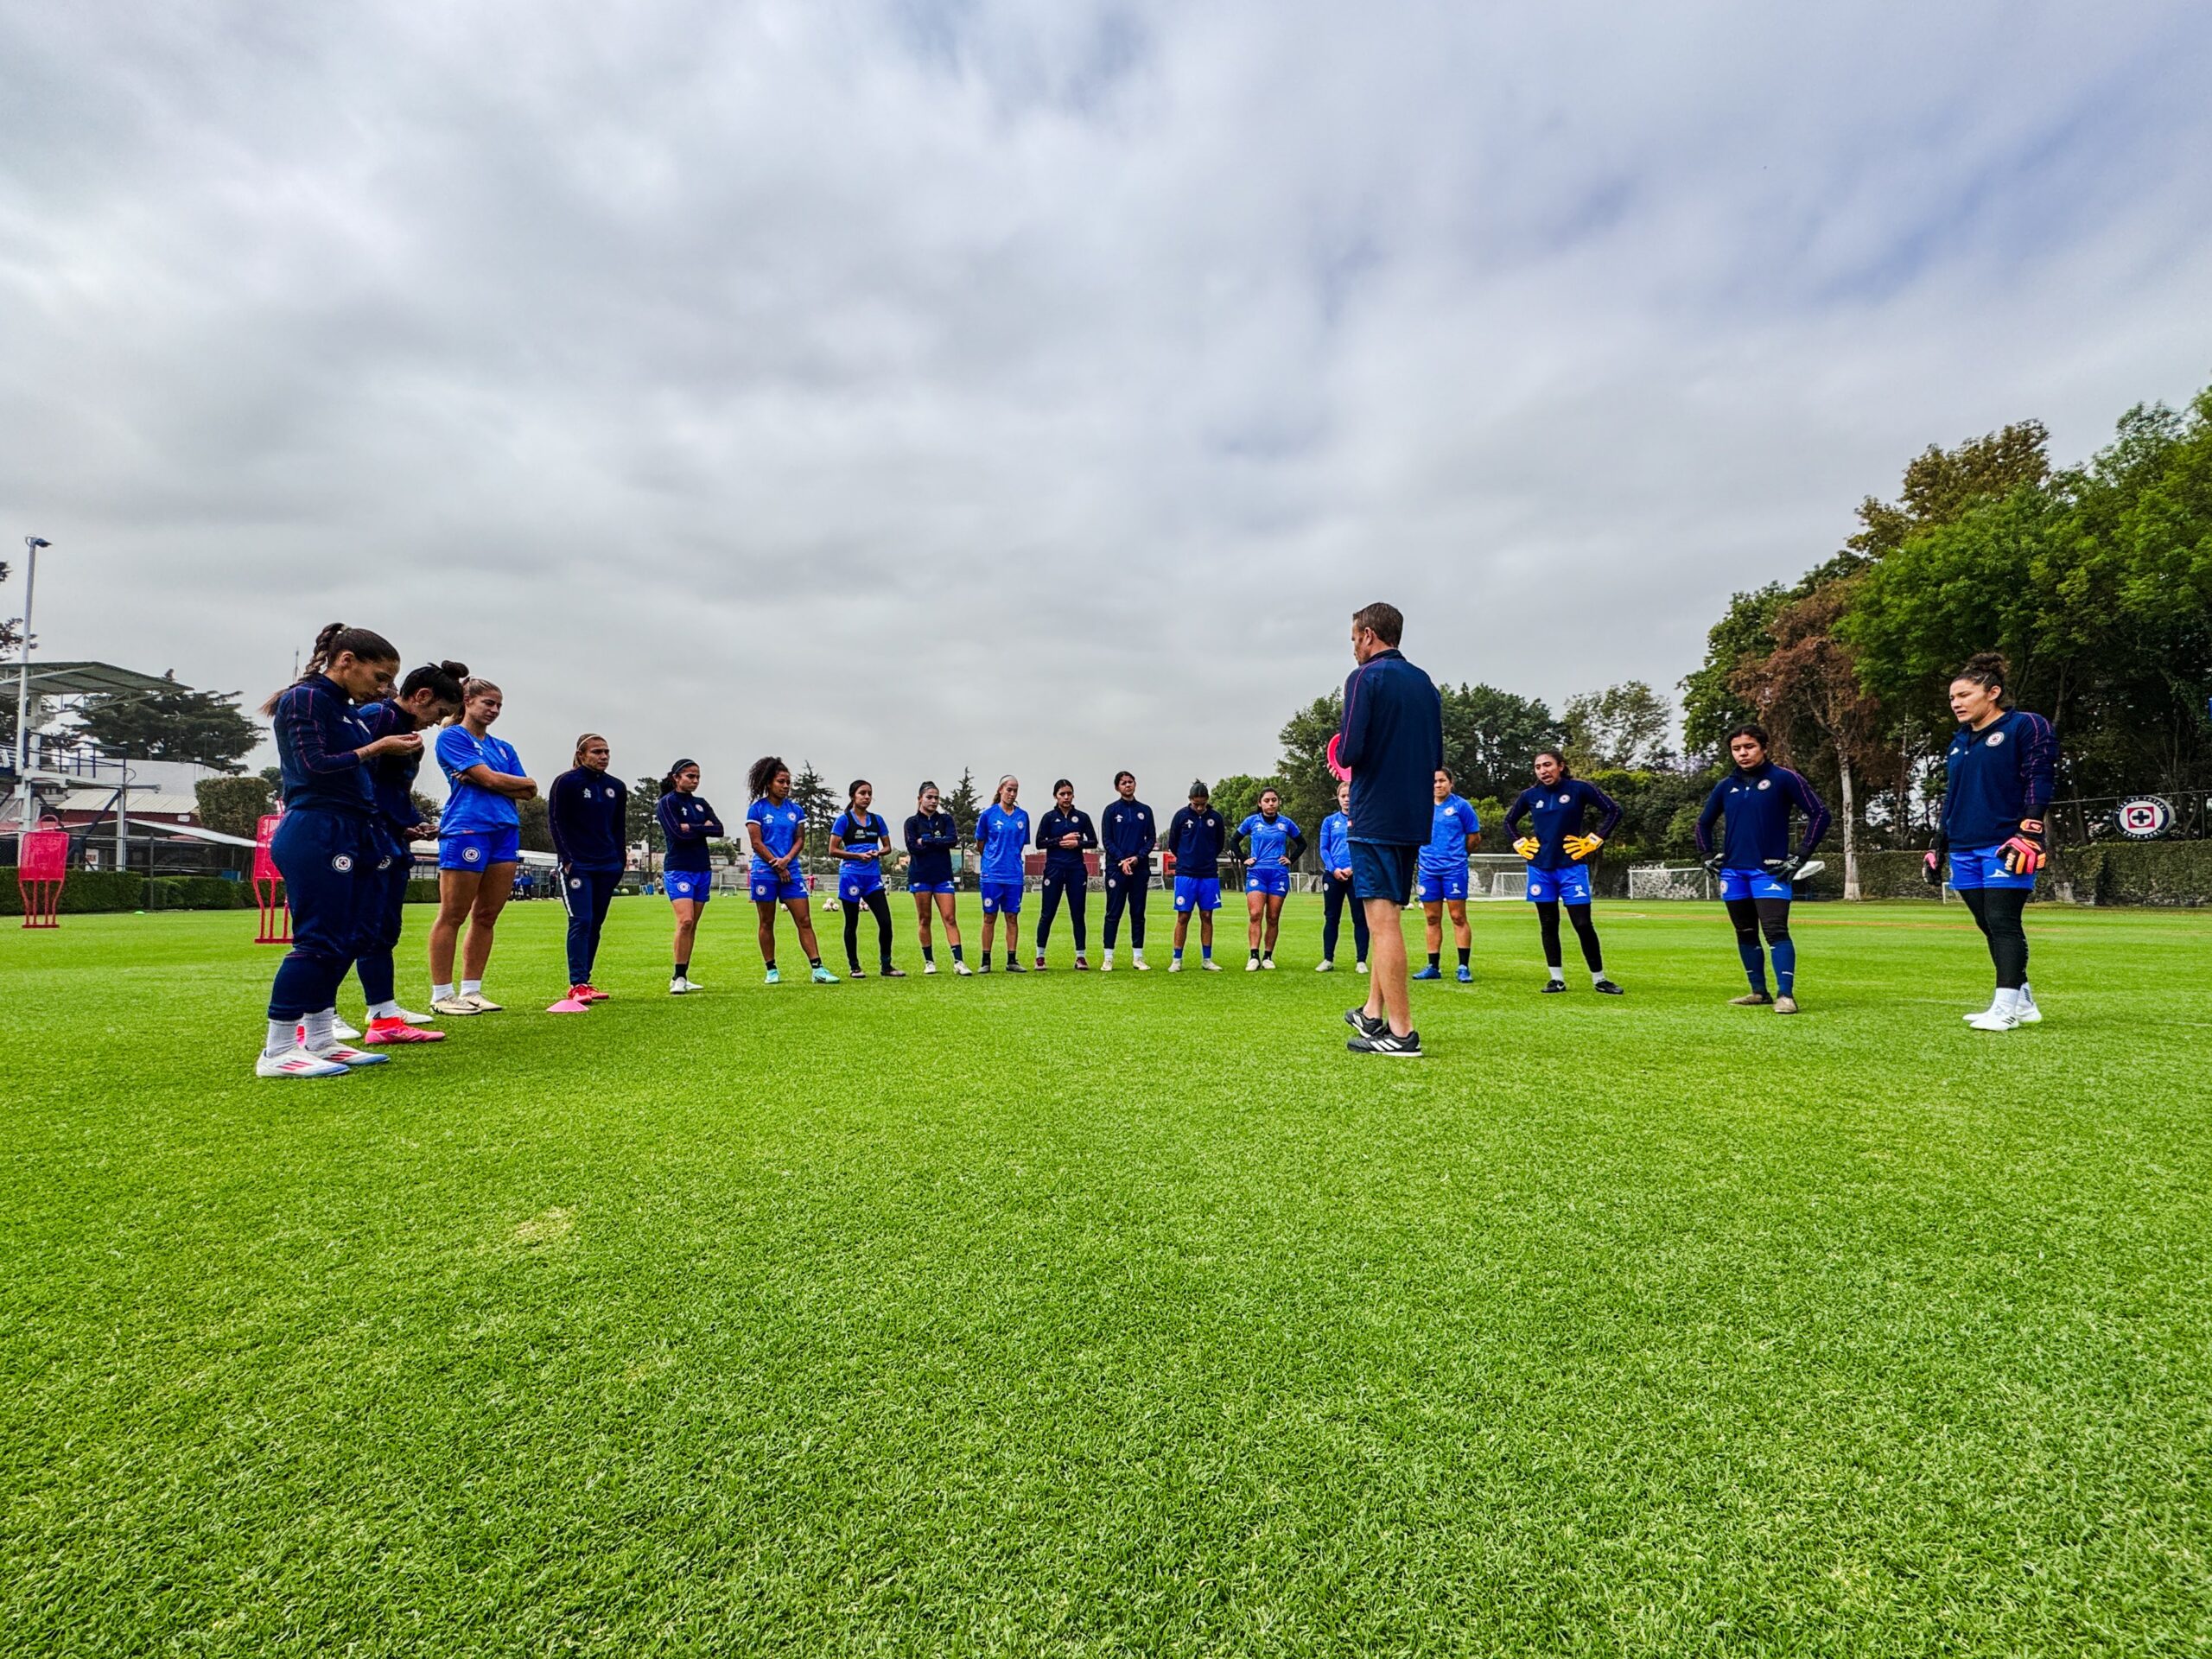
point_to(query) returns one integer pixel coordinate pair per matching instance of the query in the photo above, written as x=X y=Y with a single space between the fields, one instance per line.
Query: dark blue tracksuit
x=327 y=844
x=1066 y=874
x=391 y=779
x=930 y=837
x=1556 y=811
x=1130 y=833
x=588 y=812
x=1392 y=740
x=1757 y=803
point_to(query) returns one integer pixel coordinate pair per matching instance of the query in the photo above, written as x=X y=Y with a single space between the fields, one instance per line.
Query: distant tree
x=536 y=825
x=964 y=804
x=1942 y=485
x=173 y=723
x=425 y=809
x=233 y=806
x=11 y=632
x=1711 y=703
x=1622 y=728
x=818 y=801
x=638 y=821
x=1237 y=797
x=1308 y=787
x=1491 y=739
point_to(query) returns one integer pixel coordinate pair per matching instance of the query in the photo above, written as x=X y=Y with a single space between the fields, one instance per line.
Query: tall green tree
x=1711 y=703
x=1624 y=728
x=173 y=723
x=1237 y=797
x=233 y=806
x=814 y=798
x=1942 y=485
x=1309 y=789
x=1491 y=737
x=965 y=804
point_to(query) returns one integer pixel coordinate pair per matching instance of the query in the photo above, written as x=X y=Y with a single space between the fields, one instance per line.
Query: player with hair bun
x=480 y=842
x=588 y=813
x=1002 y=841
x=775 y=825
x=429 y=696
x=2000 y=771
x=859 y=840
x=1559 y=850
x=1065 y=833
x=687 y=824
x=1267 y=843
x=1754 y=861
x=932 y=834
x=1455 y=830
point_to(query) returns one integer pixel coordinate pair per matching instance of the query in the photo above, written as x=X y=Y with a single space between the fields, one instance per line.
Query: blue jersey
x=1196 y=838
x=318 y=732
x=588 y=813
x=1066 y=861
x=1335 y=843
x=392 y=776
x=863 y=834
x=1559 y=811
x=780 y=829
x=1004 y=838
x=470 y=808
x=1451 y=822
x=1270 y=840
x=687 y=824
x=1127 y=830
x=930 y=837
x=1757 y=803
x=1997 y=776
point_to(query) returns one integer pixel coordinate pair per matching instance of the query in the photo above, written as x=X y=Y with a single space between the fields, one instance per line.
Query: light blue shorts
x=929 y=887
x=767 y=890
x=478 y=849
x=858 y=884
x=1439 y=885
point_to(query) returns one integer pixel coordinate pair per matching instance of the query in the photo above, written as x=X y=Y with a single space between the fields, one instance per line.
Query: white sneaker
x=963 y=971
x=682 y=987
x=2027 y=1014
x=1267 y=963
x=408 y=1016
x=1107 y=966
x=342 y=1032
x=1325 y=966
x=1251 y=965
x=338 y=1053
x=1141 y=965
x=1175 y=965
x=1362 y=967
x=1992 y=1020
x=928 y=968
x=480 y=1002
x=454 y=1008
x=1210 y=965
x=296 y=1062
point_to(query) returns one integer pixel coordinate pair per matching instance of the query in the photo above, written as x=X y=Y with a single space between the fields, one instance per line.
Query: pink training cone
x=570 y=1005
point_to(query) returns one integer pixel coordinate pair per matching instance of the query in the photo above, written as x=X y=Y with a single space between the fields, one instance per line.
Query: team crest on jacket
x=1996 y=738
x=1766 y=782
x=1566 y=800
x=341 y=862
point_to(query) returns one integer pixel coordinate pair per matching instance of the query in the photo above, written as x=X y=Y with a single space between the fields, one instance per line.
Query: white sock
x=318 y=1031
x=385 y=1011
x=1557 y=974
x=1137 y=955
x=1108 y=956
x=1597 y=975
x=282 y=1036
x=2027 y=996
x=441 y=993
x=472 y=988
x=2007 y=1001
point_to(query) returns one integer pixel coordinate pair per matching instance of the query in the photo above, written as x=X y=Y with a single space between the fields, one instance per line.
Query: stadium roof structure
x=82 y=679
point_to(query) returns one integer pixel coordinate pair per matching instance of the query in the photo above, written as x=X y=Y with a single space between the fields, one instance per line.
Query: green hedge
x=2142 y=873
x=87 y=892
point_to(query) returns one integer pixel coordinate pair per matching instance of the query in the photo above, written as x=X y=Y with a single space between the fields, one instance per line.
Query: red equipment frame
x=268 y=883
x=42 y=866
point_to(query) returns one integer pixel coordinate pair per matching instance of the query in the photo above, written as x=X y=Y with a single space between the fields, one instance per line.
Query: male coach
x=1392 y=742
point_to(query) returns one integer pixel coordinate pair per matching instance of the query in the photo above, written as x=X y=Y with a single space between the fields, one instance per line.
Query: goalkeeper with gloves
x=2002 y=766
x=1754 y=861
x=1559 y=851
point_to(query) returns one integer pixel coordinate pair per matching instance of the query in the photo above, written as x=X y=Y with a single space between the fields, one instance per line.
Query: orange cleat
x=398 y=1031
x=586 y=994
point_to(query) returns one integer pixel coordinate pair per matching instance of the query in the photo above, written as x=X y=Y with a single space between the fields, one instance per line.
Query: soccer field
x=1128 y=1314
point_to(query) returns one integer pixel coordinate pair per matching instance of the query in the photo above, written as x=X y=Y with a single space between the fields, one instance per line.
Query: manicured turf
x=1117 y=1315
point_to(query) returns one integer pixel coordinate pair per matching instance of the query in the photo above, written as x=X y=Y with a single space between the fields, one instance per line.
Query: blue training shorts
x=1382 y=869
x=478 y=849
x=854 y=884
x=767 y=890
x=1274 y=881
x=1439 y=885
x=1752 y=884
x=1984 y=867
x=1002 y=898
x=1569 y=885
x=697 y=886
x=913 y=886
x=1197 y=892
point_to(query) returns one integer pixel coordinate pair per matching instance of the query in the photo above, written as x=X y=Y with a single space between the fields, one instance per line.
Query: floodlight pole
x=23 y=695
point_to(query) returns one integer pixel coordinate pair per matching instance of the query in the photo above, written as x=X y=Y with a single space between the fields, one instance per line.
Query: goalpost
x=1671 y=881
x=1498 y=875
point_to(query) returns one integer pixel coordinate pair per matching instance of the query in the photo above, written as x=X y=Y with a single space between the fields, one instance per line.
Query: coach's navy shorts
x=1382 y=869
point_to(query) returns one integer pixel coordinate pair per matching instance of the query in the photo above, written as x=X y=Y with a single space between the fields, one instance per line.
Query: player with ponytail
x=2000 y=771
x=775 y=825
x=327 y=844
x=1559 y=849
x=479 y=845
x=1755 y=861
x=588 y=813
x=687 y=823
x=429 y=696
x=859 y=840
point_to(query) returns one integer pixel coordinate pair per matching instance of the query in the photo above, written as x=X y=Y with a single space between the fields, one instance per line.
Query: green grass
x=1117 y=1315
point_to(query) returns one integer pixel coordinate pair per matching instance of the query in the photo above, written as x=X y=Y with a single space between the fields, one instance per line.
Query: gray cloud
x=910 y=385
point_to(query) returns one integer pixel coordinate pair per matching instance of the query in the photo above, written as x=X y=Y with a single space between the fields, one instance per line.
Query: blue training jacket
x=1757 y=803
x=1196 y=838
x=1392 y=741
x=1066 y=861
x=1997 y=776
x=687 y=823
x=392 y=776
x=588 y=812
x=317 y=732
x=1335 y=843
x=1128 y=831
x=930 y=837
x=1556 y=813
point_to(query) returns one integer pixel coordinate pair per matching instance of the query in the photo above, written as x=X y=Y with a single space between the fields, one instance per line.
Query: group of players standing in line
x=349 y=741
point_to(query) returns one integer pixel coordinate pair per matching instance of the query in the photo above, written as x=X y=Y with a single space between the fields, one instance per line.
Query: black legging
x=1755 y=916
x=878 y=902
x=1336 y=895
x=1997 y=913
x=1129 y=890
x=1078 y=891
x=1586 y=932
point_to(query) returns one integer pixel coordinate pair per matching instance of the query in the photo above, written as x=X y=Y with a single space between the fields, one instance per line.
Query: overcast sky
x=1038 y=387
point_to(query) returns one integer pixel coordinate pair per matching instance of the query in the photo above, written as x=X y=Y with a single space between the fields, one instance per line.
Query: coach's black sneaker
x=1406 y=1047
x=1552 y=987
x=1357 y=1019
x=1607 y=987
x=1750 y=999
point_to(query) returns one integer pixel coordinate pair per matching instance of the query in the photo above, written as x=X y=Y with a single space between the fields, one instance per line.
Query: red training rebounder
x=276 y=911
x=42 y=866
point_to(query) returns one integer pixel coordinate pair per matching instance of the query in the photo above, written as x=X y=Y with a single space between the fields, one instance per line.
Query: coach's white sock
x=441 y=993
x=318 y=1031
x=472 y=988
x=284 y=1036
x=385 y=1011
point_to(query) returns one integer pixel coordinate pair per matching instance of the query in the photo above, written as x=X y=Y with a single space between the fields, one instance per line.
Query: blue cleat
x=1467 y=974
x=774 y=978
x=1430 y=972
x=823 y=976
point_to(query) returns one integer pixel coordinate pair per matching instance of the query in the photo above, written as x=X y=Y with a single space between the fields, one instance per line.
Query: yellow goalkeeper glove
x=1528 y=847
x=1579 y=847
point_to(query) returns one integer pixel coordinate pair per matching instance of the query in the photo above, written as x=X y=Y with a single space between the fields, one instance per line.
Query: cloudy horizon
x=908 y=386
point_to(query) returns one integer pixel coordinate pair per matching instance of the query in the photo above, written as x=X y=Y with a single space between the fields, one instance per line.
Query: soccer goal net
x=1670 y=881
x=1498 y=875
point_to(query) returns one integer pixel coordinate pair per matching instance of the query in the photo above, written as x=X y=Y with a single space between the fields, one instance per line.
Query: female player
x=687 y=824
x=1195 y=836
x=2001 y=767
x=588 y=813
x=1129 y=838
x=426 y=697
x=479 y=845
x=1754 y=863
x=1267 y=844
x=776 y=826
x=1335 y=886
x=1559 y=850
x=1003 y=837
x=930 y=836
x=859 y=841
x=1065 y=833
x=326 y=843
x=1454 y=831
